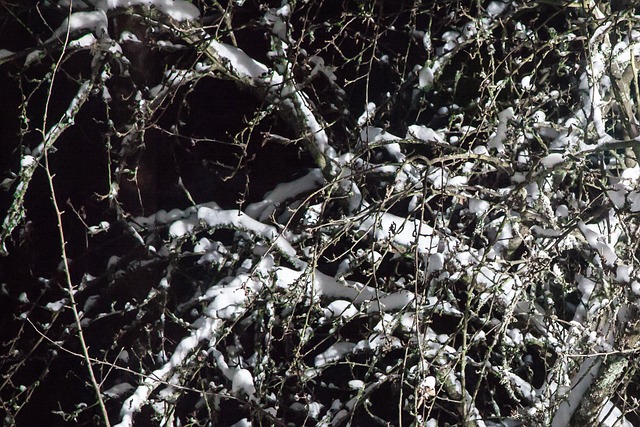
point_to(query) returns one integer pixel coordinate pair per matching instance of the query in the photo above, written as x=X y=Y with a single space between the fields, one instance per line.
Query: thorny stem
x=65 y=260
x=71 y=290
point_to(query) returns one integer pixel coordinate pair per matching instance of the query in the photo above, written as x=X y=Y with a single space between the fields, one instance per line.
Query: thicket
x=319 y=213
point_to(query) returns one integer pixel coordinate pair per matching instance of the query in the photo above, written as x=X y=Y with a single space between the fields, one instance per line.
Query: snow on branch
x=230 y=300
x=30 y=162
x=488 y=253
x=275 y=88
x=283 y=192
x=216 y=218
x=178 y=10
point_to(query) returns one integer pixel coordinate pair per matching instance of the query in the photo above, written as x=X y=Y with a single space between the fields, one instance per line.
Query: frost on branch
x=297 y=213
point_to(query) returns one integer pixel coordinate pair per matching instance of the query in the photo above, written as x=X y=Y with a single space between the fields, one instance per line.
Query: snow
x=492 y=277
x=367 y=116
x=526 y=84
x=180 y=10
x=635 y=287
x=388 y=141
x=218 y=218
x=496 y=8
x=424 y=133
x=229 y=301
x=118 y=390
x=429 y=383
x=95 y=21
x=634 y=200
x=552 y=160
x=580 y=384
x=243 y=382
x=435 y=263
x=623 y=274
x=598 y=242
x=338 y=300
x=127 y=36
x=356 y=384
x=85 y=41
x=498 y=139
x=438 y=177
x=515 y=335
x=465 y=258
x=426 y=41
x=469 y=30
x=5 y=53
x=402 y=231
x=562 y=211
x=545 y=232
x=340 y=308
x=334 y=353
x=57 y=305
x=319 y=67
x=242 y=423
x=106 y=95
x=325 y=285
x=173 y=79
x=242 y=63
x=213 y=253
x=27 y=161
x=181 y=228
x=611 y=416
x=280 y=90
x=284 y=11
x=425 y=78
x=586 y=287
x=478 y=206
x=451 y=40
x=282 y=192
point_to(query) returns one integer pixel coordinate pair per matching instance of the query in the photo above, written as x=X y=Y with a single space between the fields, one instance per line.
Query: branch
x=293 y=104
x=29 y=163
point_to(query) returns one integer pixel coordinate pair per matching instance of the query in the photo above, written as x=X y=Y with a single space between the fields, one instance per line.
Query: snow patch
x=95 y=21
x=180 y=10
